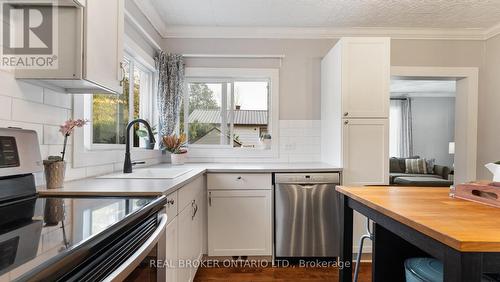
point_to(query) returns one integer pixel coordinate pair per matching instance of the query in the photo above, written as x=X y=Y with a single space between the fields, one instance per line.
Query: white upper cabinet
x=103 y=50
x=89 y=49
x=362 y=76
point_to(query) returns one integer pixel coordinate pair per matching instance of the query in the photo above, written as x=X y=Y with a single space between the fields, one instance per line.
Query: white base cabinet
x=240 y=220
x=239 y=223
x=186 y=232
x=171 y=245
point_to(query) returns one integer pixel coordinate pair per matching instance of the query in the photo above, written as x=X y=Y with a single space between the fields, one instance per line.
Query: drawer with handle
x=238 y=181
x=189 y=192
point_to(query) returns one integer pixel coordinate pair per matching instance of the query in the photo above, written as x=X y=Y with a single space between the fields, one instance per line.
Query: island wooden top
x=463 y=225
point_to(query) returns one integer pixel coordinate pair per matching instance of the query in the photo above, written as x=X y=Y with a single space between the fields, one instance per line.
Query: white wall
x=433 y=128
x=488 y=147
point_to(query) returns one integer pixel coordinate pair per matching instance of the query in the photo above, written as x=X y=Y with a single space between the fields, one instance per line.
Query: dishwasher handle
x=307 y=178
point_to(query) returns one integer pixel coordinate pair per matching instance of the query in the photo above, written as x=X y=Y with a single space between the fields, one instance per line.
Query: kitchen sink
x=151 y=173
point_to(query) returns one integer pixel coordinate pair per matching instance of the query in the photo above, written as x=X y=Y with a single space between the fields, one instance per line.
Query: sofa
x=397 y=168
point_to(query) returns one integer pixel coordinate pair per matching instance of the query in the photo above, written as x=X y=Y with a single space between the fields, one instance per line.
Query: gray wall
x=299 y=75
x=433 y=128
x=300 y=80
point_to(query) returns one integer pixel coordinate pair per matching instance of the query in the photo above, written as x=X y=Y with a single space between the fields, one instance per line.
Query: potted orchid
x=174 y=144
x=55 y=166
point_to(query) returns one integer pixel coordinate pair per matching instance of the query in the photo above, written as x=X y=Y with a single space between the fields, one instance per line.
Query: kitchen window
x=110 y=114
x=230 y=112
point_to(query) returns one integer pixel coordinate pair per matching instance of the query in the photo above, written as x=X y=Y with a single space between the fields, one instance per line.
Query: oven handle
x=133 y=261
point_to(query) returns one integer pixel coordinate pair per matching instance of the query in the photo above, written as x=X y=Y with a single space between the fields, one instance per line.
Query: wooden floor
x=299 y=274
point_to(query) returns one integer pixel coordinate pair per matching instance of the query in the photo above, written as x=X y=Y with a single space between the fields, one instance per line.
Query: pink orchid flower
x=69 y=126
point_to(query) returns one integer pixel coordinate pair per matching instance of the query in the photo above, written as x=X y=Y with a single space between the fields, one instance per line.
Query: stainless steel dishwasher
x=306 y=222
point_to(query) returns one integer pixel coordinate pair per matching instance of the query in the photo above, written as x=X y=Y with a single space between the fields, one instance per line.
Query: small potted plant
x=174 y=144
x=55 y=166
x=143 y=134
x=265 y=140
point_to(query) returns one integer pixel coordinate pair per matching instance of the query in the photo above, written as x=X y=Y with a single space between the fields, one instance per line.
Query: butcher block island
x=422 y=222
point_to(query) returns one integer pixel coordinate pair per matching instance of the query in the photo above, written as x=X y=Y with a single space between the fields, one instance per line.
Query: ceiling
x=429 y=88
x=465 y=15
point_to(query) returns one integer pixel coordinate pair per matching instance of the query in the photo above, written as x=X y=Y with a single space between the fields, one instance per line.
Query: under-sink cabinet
x=239 y=214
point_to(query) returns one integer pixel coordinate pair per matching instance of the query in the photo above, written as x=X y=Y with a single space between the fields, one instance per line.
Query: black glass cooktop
x=35 y=230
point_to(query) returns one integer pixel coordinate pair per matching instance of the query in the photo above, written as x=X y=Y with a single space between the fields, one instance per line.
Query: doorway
x=465 y=129
x=422 y=131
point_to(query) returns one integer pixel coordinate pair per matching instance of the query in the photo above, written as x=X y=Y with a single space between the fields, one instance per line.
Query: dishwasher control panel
x=333 y=178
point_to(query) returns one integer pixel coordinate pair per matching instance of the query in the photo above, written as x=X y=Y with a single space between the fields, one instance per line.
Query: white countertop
x=155 y=187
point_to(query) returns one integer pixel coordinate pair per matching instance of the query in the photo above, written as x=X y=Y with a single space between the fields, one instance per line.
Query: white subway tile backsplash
x=300 y=140
x=289 y=132
x=75 y=173
x=99 y=170
x=24 y=125
x=52 y=136
x=19 y=89
x=53 y=98
x=312 y=131
x=37 y=113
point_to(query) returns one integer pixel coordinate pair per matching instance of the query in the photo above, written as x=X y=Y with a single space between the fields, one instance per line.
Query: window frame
x=84 y=155
x=144 y=102
x=214 y=75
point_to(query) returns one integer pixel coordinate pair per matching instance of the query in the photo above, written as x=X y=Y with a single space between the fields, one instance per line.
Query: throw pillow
x=430 y=165
x=394 y=166
x=402 y=162
x=416 y=166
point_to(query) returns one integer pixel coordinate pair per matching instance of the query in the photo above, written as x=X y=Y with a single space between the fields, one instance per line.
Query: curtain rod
x=244 y=56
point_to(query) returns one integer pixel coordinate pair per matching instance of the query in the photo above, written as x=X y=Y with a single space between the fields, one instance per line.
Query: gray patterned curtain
x=170 y=68
x=406 y=129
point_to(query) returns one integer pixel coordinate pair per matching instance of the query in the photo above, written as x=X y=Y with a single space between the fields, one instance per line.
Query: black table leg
x=462 y=267
x=389 y=254
x=345 y=240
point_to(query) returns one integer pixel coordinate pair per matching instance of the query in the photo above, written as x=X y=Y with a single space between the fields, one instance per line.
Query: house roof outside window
x=241 y=117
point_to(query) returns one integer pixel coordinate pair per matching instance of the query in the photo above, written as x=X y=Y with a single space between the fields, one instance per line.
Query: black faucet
x=127 y=165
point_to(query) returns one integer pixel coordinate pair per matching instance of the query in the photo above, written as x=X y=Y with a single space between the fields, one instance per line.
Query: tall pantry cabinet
x=355 y=78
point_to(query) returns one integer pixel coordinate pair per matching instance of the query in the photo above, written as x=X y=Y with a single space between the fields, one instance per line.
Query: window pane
x=110 y=115
x=251 y=112
x=204 y=114
x=137 y=104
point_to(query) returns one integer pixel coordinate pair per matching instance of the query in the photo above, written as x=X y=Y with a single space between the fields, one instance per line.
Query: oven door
x=142 y=264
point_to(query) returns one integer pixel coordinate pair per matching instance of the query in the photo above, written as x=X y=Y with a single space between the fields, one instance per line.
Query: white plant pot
x=178 y=159
x=265 y=144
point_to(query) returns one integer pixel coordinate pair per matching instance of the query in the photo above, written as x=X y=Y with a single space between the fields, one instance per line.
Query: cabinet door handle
x=195 y=209
x=209 y=199
x=170 y=202
x=239 y=178
x=346 y=122
x=346 y=114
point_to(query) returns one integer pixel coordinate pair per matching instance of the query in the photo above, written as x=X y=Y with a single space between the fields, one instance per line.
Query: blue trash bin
x=423 y=270
x=430 y=270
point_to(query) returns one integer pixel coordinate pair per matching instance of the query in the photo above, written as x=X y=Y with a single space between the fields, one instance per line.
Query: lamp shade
x=451 y=148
